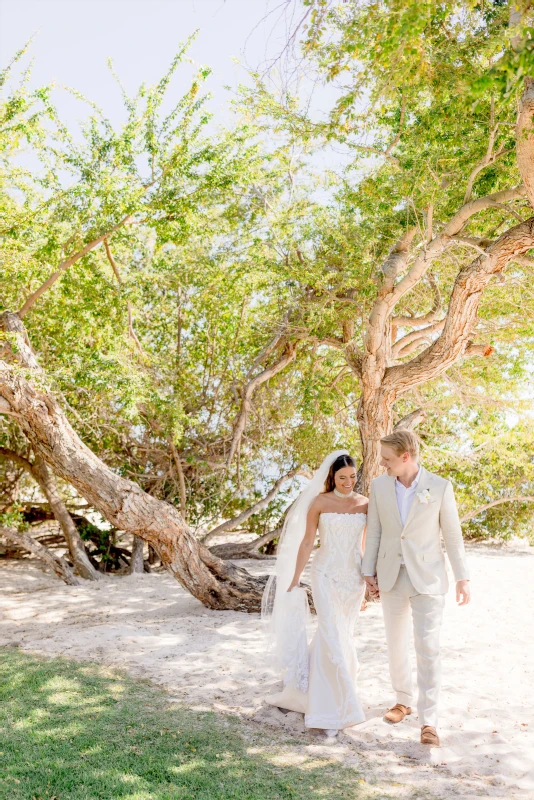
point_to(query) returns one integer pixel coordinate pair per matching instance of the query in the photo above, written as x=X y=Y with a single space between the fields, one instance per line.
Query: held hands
x=463 y=593
x=372 y=585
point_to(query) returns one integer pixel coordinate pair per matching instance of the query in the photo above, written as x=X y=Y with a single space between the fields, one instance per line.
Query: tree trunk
x=216 y=583
x=62 y=570
x=82 y=564
x=375 y=419
x=137 y=563
x=525 y=138
x=409 y=422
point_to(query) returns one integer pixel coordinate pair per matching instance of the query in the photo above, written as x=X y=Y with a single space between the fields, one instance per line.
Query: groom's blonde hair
x=402 y=441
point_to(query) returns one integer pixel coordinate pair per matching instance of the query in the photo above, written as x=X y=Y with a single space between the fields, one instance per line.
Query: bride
x=320 y=681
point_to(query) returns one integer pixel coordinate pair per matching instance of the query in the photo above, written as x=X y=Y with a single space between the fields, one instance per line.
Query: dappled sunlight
x=217 y=660
x=138 y=743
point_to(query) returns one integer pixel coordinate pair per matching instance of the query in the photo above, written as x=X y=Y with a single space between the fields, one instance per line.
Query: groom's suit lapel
x=392 y=499
x=425 y=482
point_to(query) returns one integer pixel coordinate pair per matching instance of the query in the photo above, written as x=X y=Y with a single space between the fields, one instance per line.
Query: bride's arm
x=306 y=546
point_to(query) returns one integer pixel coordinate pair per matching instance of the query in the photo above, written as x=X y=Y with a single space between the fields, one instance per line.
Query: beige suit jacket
x=418 y=541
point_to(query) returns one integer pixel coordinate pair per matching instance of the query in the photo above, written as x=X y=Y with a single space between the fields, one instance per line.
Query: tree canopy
x=214 y=310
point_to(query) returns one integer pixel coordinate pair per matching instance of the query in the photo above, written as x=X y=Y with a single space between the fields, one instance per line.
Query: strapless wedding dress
x=331 y=700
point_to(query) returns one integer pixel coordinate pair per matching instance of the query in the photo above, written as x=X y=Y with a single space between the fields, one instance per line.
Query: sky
x=74 y=38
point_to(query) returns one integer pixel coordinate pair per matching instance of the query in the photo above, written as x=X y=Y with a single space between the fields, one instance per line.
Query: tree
x=428 y=108
x=207 y=316
x=187 y=177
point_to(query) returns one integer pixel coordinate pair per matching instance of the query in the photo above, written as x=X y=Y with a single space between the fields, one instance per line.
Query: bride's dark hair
x=339 y=463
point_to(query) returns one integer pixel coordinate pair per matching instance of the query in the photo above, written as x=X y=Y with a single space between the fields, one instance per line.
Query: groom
x=405 y=563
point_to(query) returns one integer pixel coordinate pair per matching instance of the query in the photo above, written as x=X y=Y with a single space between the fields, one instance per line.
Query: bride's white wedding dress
x=331 y=701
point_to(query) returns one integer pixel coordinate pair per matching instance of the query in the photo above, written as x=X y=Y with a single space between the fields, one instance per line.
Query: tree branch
x=425 y=319
x=181 y=478
x=405 y=346
x=525 y=138
x=525 y=261
x=64 y=265
x=247 y=393
x=45 y=480
x=61 y=569
x=462 y=311
x=131 y=332
x=484 y=350
x=452 y=228
x=397 y=258
x=248 y=512
x=480 y=245
x=390 y=293
x=394 y=264
x=517 y=499
x=17 y=459
x=410 y=421
x=490 y=157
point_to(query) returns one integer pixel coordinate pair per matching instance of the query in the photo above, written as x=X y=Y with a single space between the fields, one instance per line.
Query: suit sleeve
x=374 y=533
x=452 y=534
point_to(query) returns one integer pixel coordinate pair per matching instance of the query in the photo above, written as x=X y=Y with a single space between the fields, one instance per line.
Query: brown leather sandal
x=397 y=713
x=429 y=736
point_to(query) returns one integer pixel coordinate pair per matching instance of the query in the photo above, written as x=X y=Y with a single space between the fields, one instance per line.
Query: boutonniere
x=425 y=497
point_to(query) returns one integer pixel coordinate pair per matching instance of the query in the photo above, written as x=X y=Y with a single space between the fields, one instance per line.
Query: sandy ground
x=214 y=659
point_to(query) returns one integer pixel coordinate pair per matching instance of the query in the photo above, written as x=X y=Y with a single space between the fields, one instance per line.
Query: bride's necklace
x=341 y=494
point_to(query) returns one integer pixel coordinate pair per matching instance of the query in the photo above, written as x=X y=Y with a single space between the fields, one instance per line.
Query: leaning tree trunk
x=216 y=583
x=82 y=564
x=57 y=564
x=47 y=483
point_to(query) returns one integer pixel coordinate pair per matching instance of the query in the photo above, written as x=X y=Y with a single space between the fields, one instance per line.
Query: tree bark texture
x=216 y=583
x=47 y=483
x=137 y=563
x=78 y=554
x=57 y=564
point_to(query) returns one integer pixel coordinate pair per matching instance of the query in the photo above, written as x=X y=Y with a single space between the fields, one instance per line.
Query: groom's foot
x=429 y=736
x=397 y=713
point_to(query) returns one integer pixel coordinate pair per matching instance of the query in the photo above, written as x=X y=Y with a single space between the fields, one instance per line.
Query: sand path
x=214 y=659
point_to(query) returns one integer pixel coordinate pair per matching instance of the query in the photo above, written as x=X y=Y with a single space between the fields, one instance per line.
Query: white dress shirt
x=405 y=496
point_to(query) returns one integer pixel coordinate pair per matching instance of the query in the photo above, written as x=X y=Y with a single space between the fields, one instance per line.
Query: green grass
x=70 y=731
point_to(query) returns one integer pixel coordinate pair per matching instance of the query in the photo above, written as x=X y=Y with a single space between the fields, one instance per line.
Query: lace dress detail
x=294 y=655
x=331 y=700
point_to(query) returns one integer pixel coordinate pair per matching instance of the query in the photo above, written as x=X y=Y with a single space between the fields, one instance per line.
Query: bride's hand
x=293 y=584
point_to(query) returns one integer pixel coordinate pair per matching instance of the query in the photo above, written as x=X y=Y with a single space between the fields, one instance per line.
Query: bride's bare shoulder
x=320 y=502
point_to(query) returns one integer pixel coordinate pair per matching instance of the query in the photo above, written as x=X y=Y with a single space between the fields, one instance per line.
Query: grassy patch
x=70 y=731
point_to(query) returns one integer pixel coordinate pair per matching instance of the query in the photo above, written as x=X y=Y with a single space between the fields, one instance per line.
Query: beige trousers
x=427 y=613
